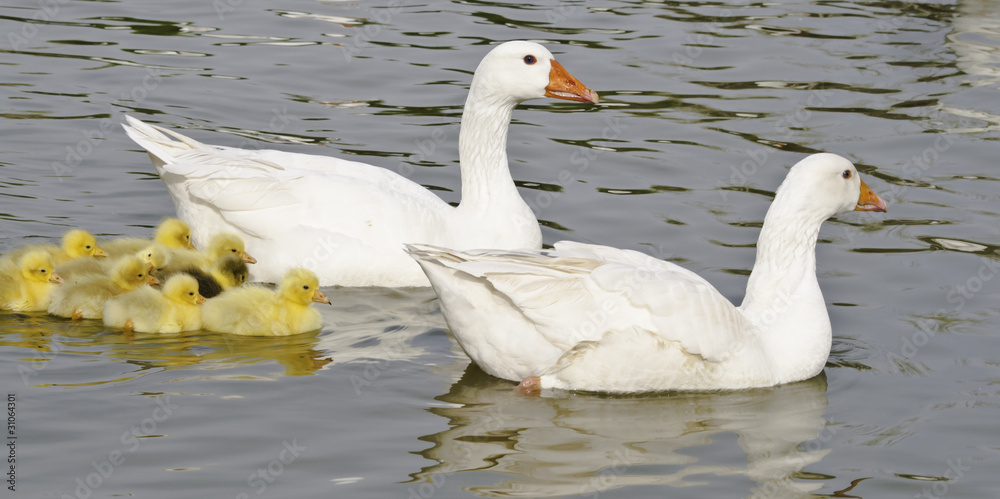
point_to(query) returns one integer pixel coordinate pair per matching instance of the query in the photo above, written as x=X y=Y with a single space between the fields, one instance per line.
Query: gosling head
x=174 y=233
x=182 y=288
x=37 y=266
x=131 y=272
x=156 y=256
x=226 y=244
x=79 y=243
x=302 y=286
x=233 y=270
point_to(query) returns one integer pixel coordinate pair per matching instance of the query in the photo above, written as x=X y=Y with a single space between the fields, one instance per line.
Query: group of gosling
x=119 y=281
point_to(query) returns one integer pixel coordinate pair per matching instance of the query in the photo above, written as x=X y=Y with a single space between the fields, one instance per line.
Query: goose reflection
x=975 y=40
x=577 y=444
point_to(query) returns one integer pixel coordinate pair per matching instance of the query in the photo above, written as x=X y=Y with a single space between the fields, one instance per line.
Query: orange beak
x=98 y=252
x=869 y=201
x=319 y=297
x=199 y=300
x=54 y=278
x=563 y=85
x=247 y=258
x=191 y=245
x=152 y=281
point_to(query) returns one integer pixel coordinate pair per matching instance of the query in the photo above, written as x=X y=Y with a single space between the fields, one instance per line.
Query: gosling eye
x=306 y=287
x=530 y=59
x=42 y=270
x=234 y=250
x=847 y=174
x=87 y=246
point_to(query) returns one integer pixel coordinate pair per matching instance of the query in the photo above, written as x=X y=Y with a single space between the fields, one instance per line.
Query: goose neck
x=483 y=149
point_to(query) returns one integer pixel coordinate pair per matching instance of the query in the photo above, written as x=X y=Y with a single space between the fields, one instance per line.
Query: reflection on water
x=704 y=104
x=975 y=39
x=576 y=444
x=147 y=353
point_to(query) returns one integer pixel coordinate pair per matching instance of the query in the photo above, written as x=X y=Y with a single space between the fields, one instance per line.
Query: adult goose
x=348 y=221
x=594 y=318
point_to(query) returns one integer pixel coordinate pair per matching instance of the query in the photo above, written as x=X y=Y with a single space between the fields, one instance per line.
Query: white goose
x=348 y=221
x=594 y=318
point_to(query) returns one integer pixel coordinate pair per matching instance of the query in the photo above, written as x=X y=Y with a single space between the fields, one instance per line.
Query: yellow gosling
x=173 y=233
x=86 y=298
x=229 y=272
x=221 y=245
x=155 y=255
x=258 y=311
x=76 y=243
x=147 y=310
x=28 y=285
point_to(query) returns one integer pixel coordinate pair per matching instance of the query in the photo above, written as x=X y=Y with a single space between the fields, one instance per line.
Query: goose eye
x=846 y=174
x=41 y=270
x=529 y=59
x=306 y=287
x=234 y=250
x=87 y=247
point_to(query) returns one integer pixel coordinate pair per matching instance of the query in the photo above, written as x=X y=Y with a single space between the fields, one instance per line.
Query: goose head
x=37 y=266
x=79 y=243
x=301 y=286
x=522 y=70
x=827 y=185
x=183 y=288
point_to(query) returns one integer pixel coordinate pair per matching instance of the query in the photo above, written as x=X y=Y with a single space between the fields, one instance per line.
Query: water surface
x=704 y=107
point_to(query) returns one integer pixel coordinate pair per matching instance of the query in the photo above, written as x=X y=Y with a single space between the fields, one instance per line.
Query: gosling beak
x=319 y=297
x=150 y=266
x=869 y=201
x=563 y=85
x=191 y=245
x=199 y=300
x=152 y=281
x=247 y=258
x=98 y=252
x=54 y=278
